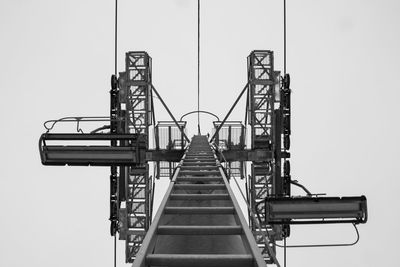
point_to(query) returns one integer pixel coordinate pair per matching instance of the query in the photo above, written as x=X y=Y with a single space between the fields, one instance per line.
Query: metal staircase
x=199 y=222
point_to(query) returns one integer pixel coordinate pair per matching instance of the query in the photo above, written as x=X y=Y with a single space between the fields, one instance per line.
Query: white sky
x=56 y=58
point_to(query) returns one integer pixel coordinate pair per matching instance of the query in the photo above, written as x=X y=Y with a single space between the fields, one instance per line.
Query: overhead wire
x=284 y=73
x=115 y=73
x=284 y=36
x=115 y=37
x=198 y=66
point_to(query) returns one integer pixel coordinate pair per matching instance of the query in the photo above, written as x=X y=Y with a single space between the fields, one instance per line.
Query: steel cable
x=198 y=66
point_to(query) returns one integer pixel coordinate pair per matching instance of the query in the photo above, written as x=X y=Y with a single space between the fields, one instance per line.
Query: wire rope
x=115 y=73
x=284 y=36
x=198 y=66
x=115 y=37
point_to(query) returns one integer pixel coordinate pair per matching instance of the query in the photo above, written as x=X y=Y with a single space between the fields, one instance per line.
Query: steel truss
x=136 y=190
x=263 y=103
x=199 y=184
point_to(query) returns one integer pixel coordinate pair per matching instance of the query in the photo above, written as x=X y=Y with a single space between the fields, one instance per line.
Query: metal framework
x=263 y=105
x=135 y=105
x=169 y=137
x=199 y=222
x=231 y=137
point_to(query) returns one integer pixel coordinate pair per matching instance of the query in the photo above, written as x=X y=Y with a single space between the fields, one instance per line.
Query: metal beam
x=164 y=155
x=170 y=114
x=229 y=112
x=63 y=153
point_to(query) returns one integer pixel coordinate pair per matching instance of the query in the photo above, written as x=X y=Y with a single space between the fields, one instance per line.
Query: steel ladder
x=199 y=222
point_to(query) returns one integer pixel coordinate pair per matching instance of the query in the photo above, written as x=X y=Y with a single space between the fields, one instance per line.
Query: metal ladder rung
x=200 y=186
x=200 y=260
x=199 y=179
x=199 y=210
x=199 y=197
x=199 y=230
x=198 y=163
x=200 y=159
x=192 y=155
x=184 y=172
x=199 y=167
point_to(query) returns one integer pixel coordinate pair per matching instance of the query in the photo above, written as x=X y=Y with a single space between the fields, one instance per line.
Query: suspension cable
x=284 y=251
x=115 y=250
x=115 y=37
x=115 y=73
x=284 y=73
x=284 y=37
x=198 y=66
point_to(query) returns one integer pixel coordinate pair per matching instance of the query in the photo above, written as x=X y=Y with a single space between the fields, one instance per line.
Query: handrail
x=76 y=119
x=265 y=238
x=199 y=111
x=149 y=240
x=241 y=218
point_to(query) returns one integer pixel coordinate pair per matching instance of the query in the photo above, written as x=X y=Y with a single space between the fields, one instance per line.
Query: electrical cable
x=284 y=37
x=115 y=250
x=229 y=112
x=115 y=73
x=115 y=37
x=198 y=66
x=325 y=245
x=284 y=251
x=296 y=183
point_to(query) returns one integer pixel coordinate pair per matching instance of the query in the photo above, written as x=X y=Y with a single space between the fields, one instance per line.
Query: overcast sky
x=56 y=58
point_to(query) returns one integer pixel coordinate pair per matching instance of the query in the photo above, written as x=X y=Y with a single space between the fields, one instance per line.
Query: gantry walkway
x=199 y=222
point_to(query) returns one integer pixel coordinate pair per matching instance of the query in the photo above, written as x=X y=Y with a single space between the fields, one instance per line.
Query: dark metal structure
x=199 y=222
x=265 y=120
x=169 y=137
x=125 y=148
x=272 y=208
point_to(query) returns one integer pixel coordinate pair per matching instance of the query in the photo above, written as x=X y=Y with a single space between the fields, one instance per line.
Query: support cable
x=170 y=113
x=229 y=113
x=284 y=251
x=115 y=250
x=284 y=37
x=198 y=66
x=115 y=73
x=115 y=37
